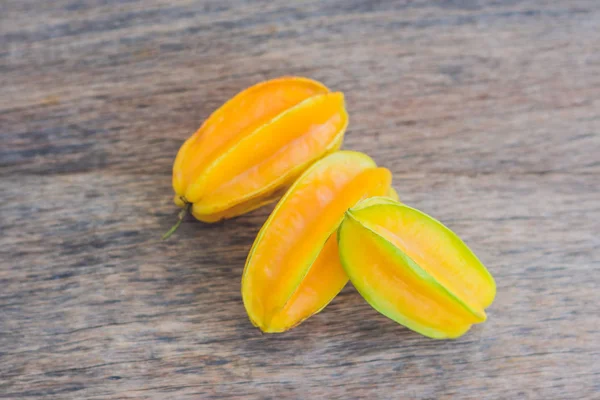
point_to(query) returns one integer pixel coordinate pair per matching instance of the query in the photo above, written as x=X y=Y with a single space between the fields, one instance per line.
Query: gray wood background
x=487 y=112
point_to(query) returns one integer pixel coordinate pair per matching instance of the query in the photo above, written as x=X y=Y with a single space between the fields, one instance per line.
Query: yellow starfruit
x=413 y=269
x=293 y=269
x=255 y=145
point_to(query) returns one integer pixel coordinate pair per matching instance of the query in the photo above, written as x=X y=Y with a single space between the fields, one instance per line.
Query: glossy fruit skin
x=293 y=269
x=413 y=269
x=254 y=146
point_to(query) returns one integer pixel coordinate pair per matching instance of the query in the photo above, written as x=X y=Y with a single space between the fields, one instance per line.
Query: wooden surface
x=486 y=111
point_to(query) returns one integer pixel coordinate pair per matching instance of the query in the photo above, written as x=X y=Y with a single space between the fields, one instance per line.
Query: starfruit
x=293 y=269
x=255 y=145
x=413 y=269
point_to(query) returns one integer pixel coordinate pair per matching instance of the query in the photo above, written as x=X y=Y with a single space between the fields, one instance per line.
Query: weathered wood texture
x=487 y=112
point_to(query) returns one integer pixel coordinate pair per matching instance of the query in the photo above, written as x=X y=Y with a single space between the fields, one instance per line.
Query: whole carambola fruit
x=413 y=269
x=293 y=269
x=255 y=145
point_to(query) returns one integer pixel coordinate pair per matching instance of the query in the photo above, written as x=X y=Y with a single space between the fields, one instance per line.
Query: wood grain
x=486 y=111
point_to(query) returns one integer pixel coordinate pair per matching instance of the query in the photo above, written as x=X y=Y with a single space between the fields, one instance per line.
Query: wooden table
x=487 y=112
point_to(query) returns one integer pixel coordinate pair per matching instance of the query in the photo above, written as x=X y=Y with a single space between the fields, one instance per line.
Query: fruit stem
x=180 y=217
